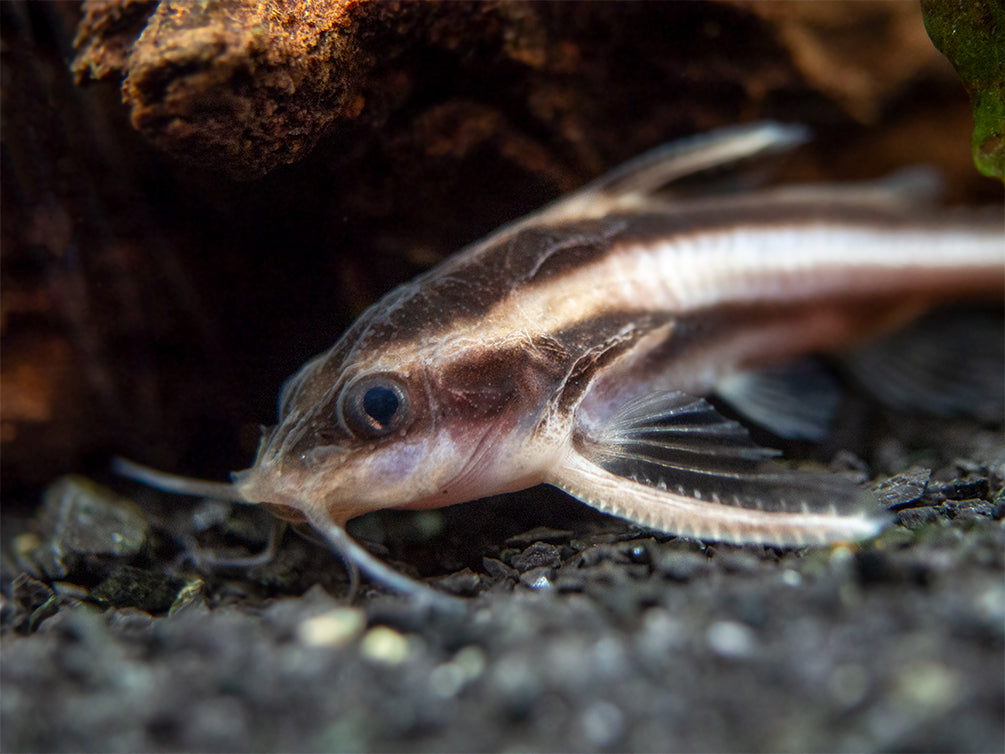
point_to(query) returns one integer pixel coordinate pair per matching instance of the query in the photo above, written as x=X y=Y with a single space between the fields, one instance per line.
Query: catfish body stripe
x=576 y=282
x=697 y=271
x=469 y=287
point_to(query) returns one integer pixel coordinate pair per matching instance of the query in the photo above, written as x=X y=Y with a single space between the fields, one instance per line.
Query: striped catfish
x=577 y=347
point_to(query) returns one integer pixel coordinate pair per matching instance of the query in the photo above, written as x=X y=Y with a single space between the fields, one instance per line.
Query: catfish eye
x=374 y=405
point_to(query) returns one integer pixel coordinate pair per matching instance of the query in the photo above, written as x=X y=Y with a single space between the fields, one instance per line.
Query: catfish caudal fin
x=670 y=461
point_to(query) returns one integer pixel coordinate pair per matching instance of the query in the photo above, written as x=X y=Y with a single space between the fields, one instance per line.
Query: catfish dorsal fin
x=638 y=178
x=628 y=186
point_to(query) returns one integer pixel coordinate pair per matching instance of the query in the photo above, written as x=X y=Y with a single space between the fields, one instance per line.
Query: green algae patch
x=971 y=33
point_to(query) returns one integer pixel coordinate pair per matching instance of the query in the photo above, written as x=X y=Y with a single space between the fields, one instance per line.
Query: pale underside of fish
x=578 y=346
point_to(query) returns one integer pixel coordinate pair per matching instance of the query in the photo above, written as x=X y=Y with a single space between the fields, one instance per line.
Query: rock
x=81 y=518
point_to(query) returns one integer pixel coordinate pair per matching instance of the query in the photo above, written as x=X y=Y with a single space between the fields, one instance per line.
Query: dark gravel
x=583 y=634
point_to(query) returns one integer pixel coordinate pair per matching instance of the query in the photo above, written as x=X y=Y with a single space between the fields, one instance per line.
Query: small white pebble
x=791 y=578
x=472 y=661
x=841 y=554
x=446 y=680
x=991 y=602
x=603 y=725
x=335 y=628
x=931 y=687
x=661 y=633
x=538 y=579
x=607 y=657
x=384 y=645
x=848 y=684
x=730 y=639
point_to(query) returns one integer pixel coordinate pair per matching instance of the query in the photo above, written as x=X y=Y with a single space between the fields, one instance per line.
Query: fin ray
x=632 y=183
x=946 y=363
x=796 y=401
x=705 y=519
x=716 y=483
x=689 y=156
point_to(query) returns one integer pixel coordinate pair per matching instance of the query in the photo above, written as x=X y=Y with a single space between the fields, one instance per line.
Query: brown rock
x=247 y=87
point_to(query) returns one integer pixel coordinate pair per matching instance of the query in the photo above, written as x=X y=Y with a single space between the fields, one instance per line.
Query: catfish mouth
x=298 y=495
x=285 y=513
x=255 y=487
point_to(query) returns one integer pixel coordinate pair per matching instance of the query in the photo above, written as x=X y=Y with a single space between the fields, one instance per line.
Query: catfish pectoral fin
x=705 y=519
x=672 y=462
